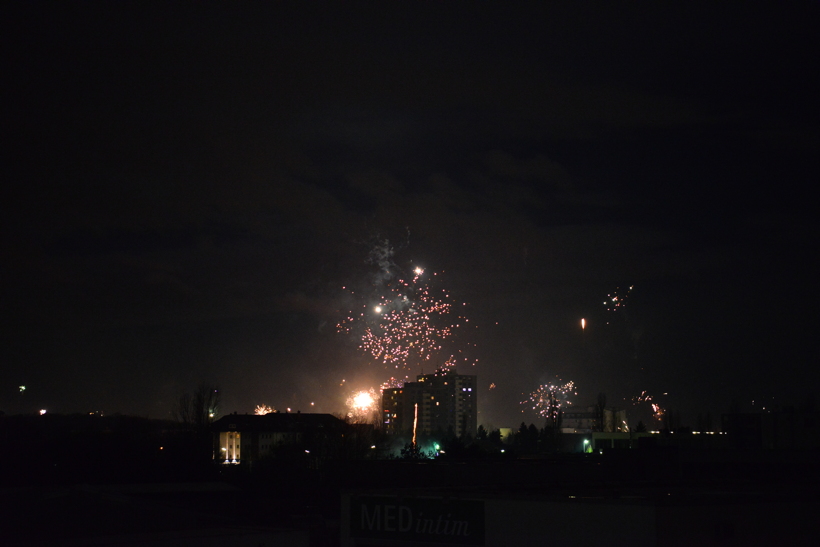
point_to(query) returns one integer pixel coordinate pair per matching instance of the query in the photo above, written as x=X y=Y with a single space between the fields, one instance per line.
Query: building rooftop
x=276 y=421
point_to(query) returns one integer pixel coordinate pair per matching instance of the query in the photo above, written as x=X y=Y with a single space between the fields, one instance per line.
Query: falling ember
x=392 y=383
x=617 y=298
x=449 y=363
x=261 y=410
x=583 y=324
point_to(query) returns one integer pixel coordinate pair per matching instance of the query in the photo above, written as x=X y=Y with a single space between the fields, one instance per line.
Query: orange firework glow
x=362 y=406
x=261 y=410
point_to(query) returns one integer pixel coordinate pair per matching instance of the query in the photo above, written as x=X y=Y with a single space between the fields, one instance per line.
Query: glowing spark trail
x=415 y=422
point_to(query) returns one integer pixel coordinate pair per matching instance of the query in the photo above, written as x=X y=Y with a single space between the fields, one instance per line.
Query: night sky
x=187 y=188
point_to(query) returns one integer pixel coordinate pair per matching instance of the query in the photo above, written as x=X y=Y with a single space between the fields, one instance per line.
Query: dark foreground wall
x=674 y=518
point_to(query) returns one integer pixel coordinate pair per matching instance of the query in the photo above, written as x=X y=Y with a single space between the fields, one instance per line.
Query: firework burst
x=408 y=326
x=616 y=300
x=644 y=399
x=363 y=406
x=549 y=400
x=261 y=410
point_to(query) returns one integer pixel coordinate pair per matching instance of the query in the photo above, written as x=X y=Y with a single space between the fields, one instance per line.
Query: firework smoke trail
x=549 y=399
x=382 y=256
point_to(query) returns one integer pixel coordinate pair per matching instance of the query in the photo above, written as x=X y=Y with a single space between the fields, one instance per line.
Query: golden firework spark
x=261 y=410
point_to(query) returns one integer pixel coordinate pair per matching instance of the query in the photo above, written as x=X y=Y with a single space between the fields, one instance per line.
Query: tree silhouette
x=494 y=437
x=199 y=409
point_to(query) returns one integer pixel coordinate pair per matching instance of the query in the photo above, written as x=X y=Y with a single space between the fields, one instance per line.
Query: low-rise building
x=242 y=438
